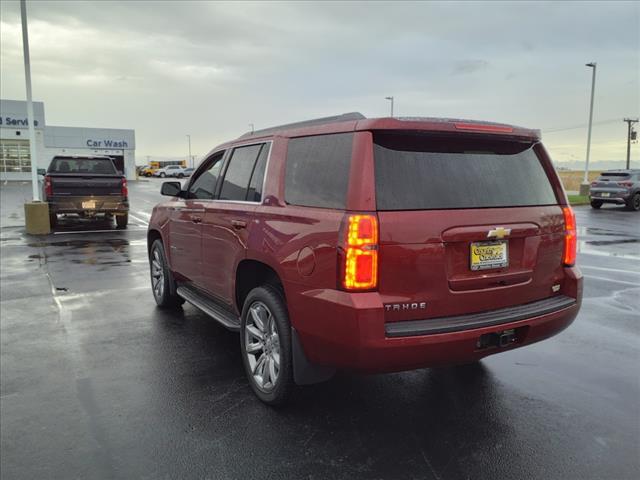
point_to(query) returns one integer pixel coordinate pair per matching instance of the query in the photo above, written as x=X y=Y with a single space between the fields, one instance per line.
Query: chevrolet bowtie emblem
x=499 y=232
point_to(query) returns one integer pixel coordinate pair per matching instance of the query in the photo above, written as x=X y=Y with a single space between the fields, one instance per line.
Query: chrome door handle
x=196 y=219
x=238 y=224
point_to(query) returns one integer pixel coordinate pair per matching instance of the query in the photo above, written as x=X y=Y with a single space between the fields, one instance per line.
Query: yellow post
x=36 y=215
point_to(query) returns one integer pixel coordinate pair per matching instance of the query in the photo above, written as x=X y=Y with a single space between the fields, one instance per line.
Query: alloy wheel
x=262 y=346
x=157 y=274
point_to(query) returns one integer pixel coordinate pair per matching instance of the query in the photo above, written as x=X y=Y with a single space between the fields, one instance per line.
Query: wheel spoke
x=255 y=332
x=276 y=359
x=255 y=315
x=273 y=375
x=254 y=347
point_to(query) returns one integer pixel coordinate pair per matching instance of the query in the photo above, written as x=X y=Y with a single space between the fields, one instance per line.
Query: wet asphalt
x=96 y=382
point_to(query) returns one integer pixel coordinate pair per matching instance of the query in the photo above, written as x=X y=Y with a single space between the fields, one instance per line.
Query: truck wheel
x=162 y=282
x=596 y=204
x=162 y=174
x=122 y=220
x=265 y=341
x=634 y=203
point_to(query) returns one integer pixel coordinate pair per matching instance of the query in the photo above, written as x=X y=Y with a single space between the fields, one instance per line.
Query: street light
x=190 y=159
x=30 y=119
x=390 y=99
x=584 y=188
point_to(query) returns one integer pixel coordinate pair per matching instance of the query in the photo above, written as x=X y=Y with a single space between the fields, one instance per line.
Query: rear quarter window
x=416 y=172
x=317 y=170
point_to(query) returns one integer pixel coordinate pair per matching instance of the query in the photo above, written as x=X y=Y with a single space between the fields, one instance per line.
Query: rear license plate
x=89 y=204
x=485 y=255
x=605 y=194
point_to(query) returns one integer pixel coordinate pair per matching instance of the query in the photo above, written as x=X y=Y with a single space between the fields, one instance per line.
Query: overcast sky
x=169 y=69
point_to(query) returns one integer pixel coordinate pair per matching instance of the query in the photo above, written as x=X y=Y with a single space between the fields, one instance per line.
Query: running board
x=210 y=307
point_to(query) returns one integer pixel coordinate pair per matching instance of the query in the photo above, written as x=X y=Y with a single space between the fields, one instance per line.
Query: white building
x=15 y=156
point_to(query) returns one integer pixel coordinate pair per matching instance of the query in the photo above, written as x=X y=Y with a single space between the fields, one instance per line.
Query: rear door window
x=238 y=174
x=317 y=170
x=420 y=172
x=254 y=194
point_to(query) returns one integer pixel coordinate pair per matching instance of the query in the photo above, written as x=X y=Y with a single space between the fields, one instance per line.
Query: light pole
x=27 y=78
x=630 y=132
x=391 y=100
x=190 y=159
x=584 y=188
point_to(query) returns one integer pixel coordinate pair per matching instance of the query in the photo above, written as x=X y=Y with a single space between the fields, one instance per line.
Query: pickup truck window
x=91 y=166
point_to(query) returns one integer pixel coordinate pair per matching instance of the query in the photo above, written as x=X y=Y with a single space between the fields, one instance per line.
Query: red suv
x=374 y=245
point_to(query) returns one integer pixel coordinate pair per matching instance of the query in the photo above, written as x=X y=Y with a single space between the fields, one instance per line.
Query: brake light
x=625 y=184
x=124 y=191
x=48 y=186
x=483 y=127
x=570 y=237
x=360 y=269
x=593 y=184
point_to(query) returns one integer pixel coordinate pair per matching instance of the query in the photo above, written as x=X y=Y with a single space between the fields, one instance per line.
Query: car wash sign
x=109 y=144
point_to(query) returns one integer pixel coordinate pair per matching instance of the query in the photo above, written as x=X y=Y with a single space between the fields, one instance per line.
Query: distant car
x=188 y=171
x=168 y=171
x=621 y=187
x=147 y=171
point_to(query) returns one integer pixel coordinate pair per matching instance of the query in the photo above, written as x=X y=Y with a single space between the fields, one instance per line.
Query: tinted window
x=614 y=176
x=254 y=194
x=236 y=180
x=91 y=166
x=317 y=171
x=204 y=186
x=416 y=172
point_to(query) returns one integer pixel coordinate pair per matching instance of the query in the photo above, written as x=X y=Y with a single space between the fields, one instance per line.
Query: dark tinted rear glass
x=418 y=172
x=90 y=166
x=204 y=186
x=317 y=171
x=614 y=176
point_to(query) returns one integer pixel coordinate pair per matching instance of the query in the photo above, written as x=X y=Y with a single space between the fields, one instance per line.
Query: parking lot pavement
x=96 y=382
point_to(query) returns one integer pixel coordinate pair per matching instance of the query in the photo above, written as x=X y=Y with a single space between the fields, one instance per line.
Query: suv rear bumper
x=353 y=334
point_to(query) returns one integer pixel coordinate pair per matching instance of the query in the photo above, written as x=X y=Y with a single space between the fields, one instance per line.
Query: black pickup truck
x=86 y=186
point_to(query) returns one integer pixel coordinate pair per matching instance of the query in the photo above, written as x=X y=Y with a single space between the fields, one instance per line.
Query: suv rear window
x=614 y=176
x=317 y=171
x=92 y=166
x=421 y=172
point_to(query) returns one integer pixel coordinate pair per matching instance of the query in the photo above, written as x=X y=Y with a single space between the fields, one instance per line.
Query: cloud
x=209 y=69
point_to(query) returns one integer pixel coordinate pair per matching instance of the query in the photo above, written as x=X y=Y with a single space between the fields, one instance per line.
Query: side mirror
x=42 y=171
x=171 y=189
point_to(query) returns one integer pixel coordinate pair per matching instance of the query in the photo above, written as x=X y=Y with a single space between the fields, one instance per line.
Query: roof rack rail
x=345 y=117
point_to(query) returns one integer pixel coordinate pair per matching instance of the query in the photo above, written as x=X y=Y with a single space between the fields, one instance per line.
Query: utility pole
x=630 y=132
x=391 y=100
x=584 y=187
x=190 y=159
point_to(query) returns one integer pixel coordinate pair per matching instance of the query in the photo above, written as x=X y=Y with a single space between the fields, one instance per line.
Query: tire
x=162 y=175
x=634 y=202
x=122 y=220
x=53 y=220
x=162 y=283
x=596 y=204
x=180 y=175
x=268 y=304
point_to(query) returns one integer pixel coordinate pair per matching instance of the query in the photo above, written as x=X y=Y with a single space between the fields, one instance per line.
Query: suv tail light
x=124 y=191
x=48 y=186
x=359 y=269
x=626 y=184
x=570 y=238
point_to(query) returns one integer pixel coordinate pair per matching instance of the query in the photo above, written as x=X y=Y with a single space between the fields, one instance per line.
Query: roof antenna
x=251 y=125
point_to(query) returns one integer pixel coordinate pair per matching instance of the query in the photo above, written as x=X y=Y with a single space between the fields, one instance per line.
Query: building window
x=15 y=156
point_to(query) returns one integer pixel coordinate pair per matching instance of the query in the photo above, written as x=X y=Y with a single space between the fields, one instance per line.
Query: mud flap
x=304 y=372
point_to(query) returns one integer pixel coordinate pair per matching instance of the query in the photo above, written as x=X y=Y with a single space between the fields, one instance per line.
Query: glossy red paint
x=423 y=257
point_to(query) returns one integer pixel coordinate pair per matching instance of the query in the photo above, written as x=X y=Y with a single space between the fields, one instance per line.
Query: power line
x=576 y=127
